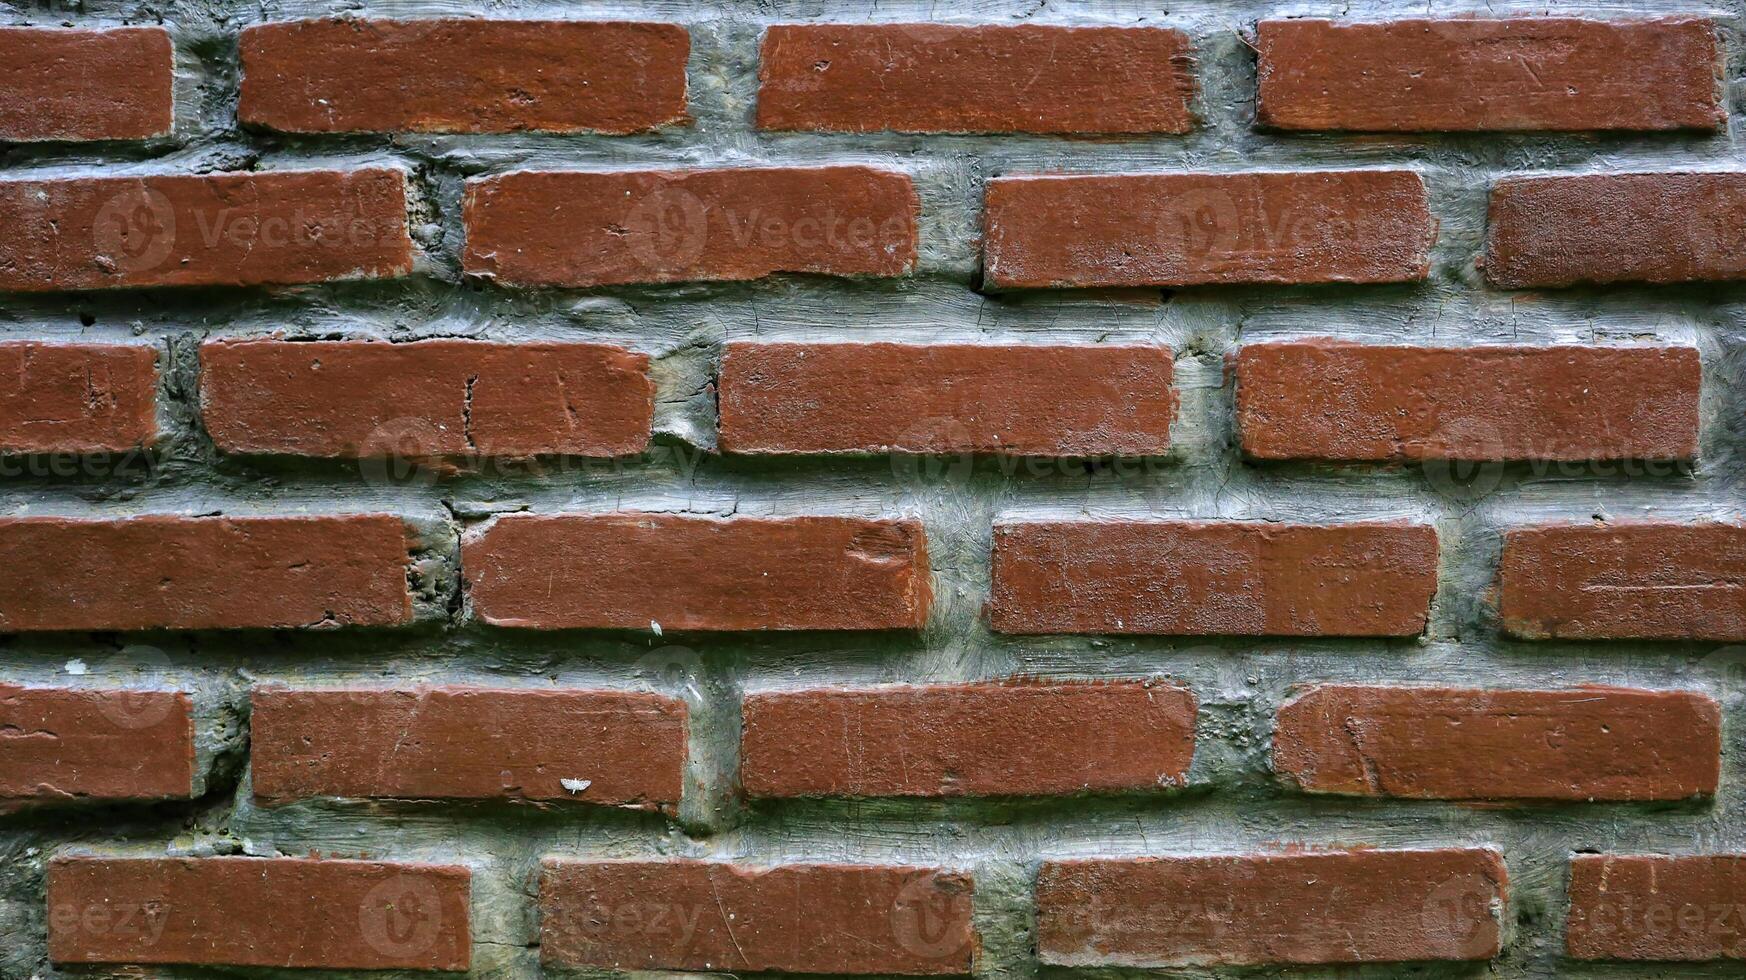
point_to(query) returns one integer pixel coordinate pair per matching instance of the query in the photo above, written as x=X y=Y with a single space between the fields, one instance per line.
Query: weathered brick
x=622 y=748
x=463 y=76
x=1632 y=580
x=168 y=572
x=88 y=744
x=77 y=398
x=431 y=398
x=241 y=229
x=267 y=912
x=677 y=572
x=575 y=228
x=1189 y=229
x=58 y=84
x=1360 y=906
x=1607 y=228
x=942 y=78
x=1463 y=74
x=1017 y=400
x=803 y=918
x=1330 y=400
x=1213 y=578
x=967 y=740
x=1659 y=907
x=1582 y=743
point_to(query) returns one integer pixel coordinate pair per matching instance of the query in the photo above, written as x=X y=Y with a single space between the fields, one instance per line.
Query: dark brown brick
x=1016 y=400
x=622 y=748
x=1473 y=73
x=967 y=740
x=1607 y=228
x=266 y=912
x=574 y=228
x=67 y=744
x=1582 y=743
x=1213 y=578
x=77 y=398
x=1271 y=910
x=676 y=572
x=58 y=84
x=463 y=76
x=1632 y=580
x=431 y=398
x=1330 y=400
x=242 y=229
x=167 y=572
x=805 y=918
x=1363 y=226
x=942 y=78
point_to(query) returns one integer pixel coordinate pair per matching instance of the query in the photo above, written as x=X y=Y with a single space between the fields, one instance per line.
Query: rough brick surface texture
x=1633 y=580
x=243 y=229
x=463 y=76
x=162 y=572
x=937 y=78
x=1328 y=400
x=1583 y=743
x=77 y=398
x=435 y=398
x=65 y=743
x=1606 y=228
x=86 y=84
x=981 y=740
x=1358 y=907
x=1193 y=578
x=1008 y=489
x=1197 y=229
x=655 y=571
x=600 y=229
x=456 y=743
x=814 y=918
x=285 y=912
x=869 y=398
x=1528 y=73
x=1656 y=907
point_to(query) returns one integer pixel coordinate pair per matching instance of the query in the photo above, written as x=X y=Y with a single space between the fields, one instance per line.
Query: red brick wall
x=956 y=489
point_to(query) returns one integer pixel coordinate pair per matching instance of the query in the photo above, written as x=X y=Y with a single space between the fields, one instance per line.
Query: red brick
x=1584 y=743
x=634 y=571
x=967 y=740
x=1632 y=580
x=80 y=744
x=77 y=398
x=1469 y=74
x=1606 y=228
x=1190 y=229
x=573 y=228
x=1656 y=907
x=1329 y=400
x=61 y=84
x=1359 y=906
x=167 y=572
x=940 y=78
x=277 y=912
x=241 y=229
x=463 y=76
x=430 y=398
x=469 y=743
x=1017 y=400
x=1190 y=578
x=803 y=918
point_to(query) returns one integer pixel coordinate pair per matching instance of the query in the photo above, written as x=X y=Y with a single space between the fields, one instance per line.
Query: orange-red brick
x=430 y=398
x=967 y=740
